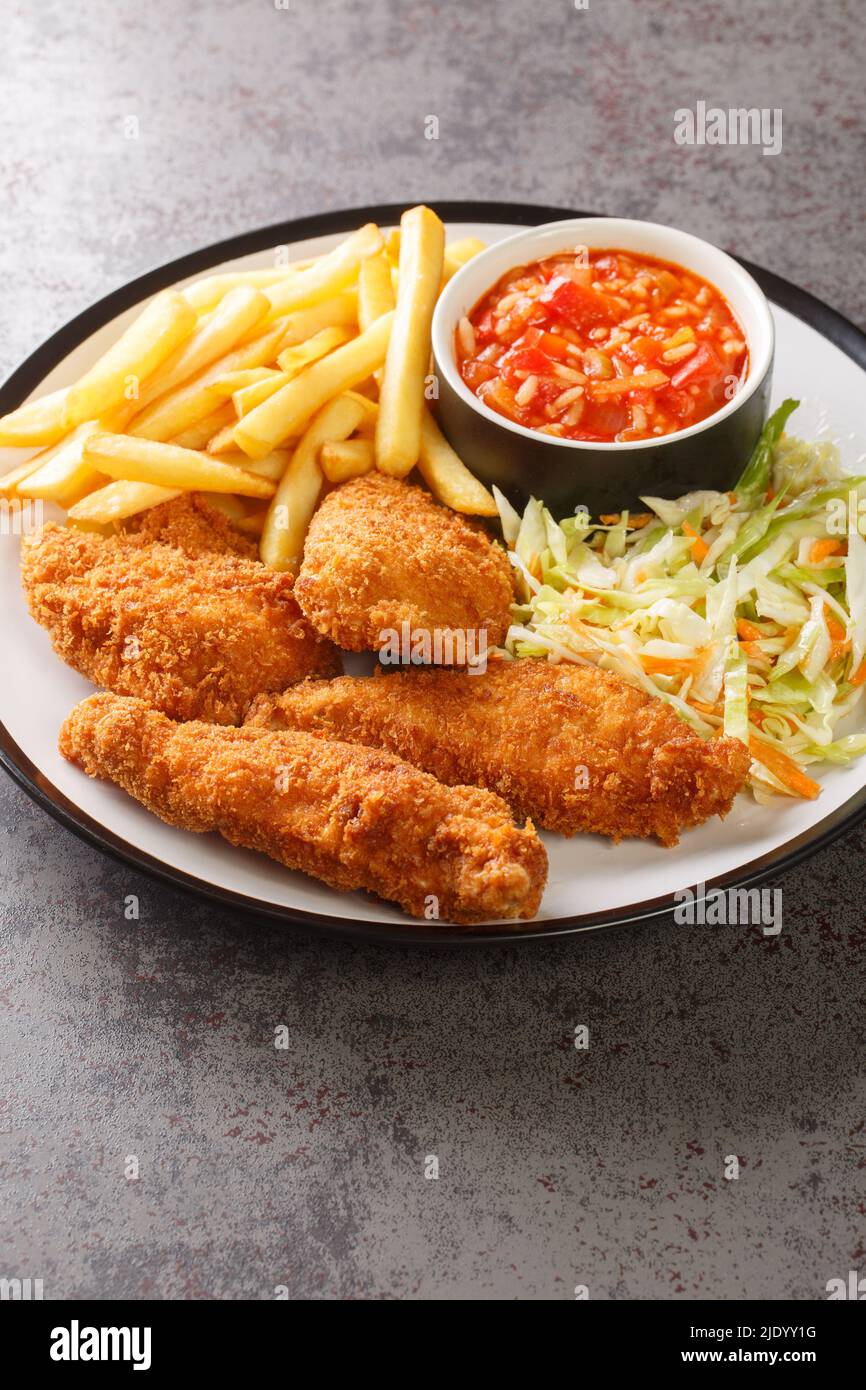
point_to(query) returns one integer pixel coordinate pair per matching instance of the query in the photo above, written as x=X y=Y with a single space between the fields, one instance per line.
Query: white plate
x=591 y=882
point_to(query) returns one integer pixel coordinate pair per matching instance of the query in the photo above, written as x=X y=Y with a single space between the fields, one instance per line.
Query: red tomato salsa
x=603 y=345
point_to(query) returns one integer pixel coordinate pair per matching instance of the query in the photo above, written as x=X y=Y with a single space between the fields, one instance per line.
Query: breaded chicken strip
x=176 y=609
x=574 y=748
x=192 y=525
x=381 y=553
x=351 y=816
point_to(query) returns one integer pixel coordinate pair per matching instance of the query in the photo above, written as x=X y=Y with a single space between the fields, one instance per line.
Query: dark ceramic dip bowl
x=569 y=473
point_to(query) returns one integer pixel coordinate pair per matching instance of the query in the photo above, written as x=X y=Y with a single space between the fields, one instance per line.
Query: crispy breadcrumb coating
x=574 y=748
x=176 y=609
x=353 y=817
x=380 y=553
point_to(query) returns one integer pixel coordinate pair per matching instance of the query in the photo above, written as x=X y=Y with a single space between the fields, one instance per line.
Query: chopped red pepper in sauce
x=608 y=346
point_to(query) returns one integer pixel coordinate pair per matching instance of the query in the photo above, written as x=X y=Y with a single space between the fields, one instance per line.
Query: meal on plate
x=603 y=346
x=254 y=481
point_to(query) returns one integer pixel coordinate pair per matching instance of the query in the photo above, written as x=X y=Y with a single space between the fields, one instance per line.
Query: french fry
x=248 y=517
x=253 y=387
x=282 y=543
x=288 y=411
x=64 y=476
x=253 y=523
x=349 y=458
x=367 y=426
x=223 y=442
x=401 y=399
x=234 y=317
x=392 y=246
x=375 y=290
x=447 y=476
x=159 y=329
x=10 y=481
x=248 y=397
x=167 y=465
x=36 y=423
x=116 y=501
x=232 y=507
x=233 y=382
x=369 y=407
x=457 y=253
x=293 y=360
x=330 y=273
x=272 y=466
x=340 y=311
x=205 y=294
x=172 y=414
x=375 y=296
x=198 y=435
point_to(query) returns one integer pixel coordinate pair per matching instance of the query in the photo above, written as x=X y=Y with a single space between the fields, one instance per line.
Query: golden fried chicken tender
x=353 y=817
x=176 y=609
x=381 y=553
x=575 y=748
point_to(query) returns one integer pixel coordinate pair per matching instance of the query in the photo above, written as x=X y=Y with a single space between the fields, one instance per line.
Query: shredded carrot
x=783 y=767
x=667 y=665
x=859 y=676
x=822 y=548
x=703 y=708
x=840 y=643
x=754 y=653
x=747 y=631
x=732 y=498
x=699 y=548
x=674 y=665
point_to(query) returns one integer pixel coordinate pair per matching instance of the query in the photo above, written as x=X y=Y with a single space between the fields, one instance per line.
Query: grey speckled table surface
x=306 y=1167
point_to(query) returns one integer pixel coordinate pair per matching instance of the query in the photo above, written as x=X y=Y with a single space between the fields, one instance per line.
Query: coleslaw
x=744 y=611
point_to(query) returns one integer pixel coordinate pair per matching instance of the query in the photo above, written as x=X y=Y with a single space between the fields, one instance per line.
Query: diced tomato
x=484 y=328
x=530 y=361
x=702 y=364
x=666 y=286
x=641 y=352
x=551 y=343
x=605 y=418
x=476 y=373
x=578 y=306
x=679 y=404
x=531 y=337
x=647 y=349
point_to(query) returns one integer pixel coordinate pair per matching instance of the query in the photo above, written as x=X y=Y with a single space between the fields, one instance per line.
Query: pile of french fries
x=258 y=389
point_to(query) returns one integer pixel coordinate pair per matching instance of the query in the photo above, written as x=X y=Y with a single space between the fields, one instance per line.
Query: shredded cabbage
x=744 y=611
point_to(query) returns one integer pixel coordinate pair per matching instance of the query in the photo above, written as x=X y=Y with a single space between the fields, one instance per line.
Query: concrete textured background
x=305 y=1167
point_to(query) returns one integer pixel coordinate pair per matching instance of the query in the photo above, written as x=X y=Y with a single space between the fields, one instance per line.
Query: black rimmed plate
x=821 y=359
